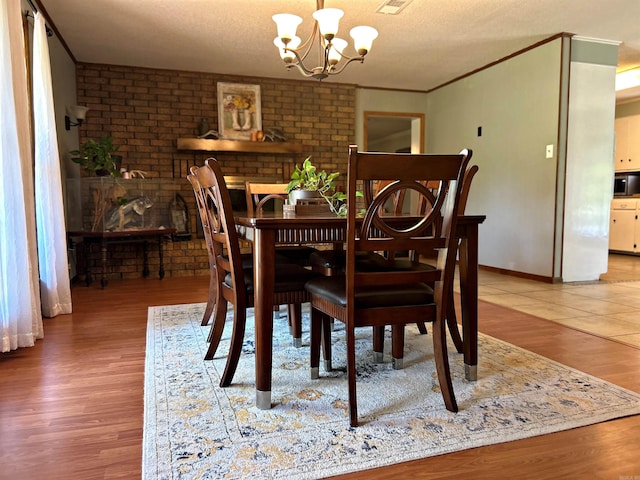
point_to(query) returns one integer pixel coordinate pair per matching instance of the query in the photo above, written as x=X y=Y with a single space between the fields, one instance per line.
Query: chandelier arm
x=308 y=43
x=300 y=64
x=302 y=69
x=344 y=65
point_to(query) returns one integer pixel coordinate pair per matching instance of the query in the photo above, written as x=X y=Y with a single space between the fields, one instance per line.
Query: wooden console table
x=104 y=239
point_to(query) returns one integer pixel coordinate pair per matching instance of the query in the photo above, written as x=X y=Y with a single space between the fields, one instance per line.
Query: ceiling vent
x=392 y=7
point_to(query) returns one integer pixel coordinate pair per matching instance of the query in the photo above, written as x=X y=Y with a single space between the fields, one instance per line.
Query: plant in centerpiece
x=98 y=157
x=308 y=182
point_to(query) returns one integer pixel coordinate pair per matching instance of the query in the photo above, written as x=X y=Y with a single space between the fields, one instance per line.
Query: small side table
x=104 y=239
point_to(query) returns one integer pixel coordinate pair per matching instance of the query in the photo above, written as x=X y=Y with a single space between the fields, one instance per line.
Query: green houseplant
x=98 y=157
x=307 y=178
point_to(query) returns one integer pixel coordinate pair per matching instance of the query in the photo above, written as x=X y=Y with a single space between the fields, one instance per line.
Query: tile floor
x=609 y=308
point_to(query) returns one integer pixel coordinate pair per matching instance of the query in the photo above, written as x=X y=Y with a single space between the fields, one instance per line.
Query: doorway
x=393 y=132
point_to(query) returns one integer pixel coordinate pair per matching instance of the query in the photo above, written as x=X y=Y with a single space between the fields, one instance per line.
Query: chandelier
x=330 y=48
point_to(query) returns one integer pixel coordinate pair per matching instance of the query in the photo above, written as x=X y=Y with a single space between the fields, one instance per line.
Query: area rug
x=193 y=429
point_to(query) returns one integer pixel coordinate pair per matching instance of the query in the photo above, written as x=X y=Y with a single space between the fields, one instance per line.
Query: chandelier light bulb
x=287 y=55
x=363 y=38
x=328 y=21
x=335 y=52
x=287 y=25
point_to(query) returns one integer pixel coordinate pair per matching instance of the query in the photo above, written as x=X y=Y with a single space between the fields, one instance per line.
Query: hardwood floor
x=71 y=407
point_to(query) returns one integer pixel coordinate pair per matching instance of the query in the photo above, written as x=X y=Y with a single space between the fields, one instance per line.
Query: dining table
x=268 y=229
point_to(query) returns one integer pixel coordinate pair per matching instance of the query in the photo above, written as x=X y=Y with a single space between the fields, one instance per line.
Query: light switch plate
x=550 y=151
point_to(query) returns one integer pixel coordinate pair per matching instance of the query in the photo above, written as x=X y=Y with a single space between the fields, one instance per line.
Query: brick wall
x=147 y=110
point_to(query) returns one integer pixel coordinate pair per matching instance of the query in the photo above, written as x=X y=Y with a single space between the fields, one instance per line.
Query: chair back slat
x=260 y=194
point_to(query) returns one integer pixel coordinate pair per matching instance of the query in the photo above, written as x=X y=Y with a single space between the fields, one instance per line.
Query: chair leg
x=314 y=349
x=452 y=324
x=217 y=327
x=235 y=348
x=422 y=328
x=208 y=310
x=219 y=310
x=442 y=364
x=211 y=299
x=326 y=342
x=397 y=346
x=378 y=344
x=351 y=374
x=294 y=312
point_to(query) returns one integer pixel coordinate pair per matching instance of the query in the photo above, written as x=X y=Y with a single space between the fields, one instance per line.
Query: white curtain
x=20 y=315
x=55 y=288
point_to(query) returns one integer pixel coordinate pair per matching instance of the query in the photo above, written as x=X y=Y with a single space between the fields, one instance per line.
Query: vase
x=295 y=196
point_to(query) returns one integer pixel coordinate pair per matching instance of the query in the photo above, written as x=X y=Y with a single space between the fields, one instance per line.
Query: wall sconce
x=76 y=111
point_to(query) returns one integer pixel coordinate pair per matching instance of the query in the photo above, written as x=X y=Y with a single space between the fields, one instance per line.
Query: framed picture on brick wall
x=239 y=112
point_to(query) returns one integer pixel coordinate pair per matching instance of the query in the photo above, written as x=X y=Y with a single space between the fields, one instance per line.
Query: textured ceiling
x=429 y=43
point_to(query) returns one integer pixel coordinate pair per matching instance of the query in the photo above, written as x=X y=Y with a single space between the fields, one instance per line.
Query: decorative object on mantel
x=239 y=113
x=98 y=157
x=213 y=134
x=312 y=191
x=203 y=127
x=330 y=47
x=274 y=135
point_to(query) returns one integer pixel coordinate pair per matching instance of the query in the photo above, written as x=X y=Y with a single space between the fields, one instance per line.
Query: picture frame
x=239 y=110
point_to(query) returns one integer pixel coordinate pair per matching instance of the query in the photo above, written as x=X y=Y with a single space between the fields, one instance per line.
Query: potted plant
x=98 y=157
x=308 y=182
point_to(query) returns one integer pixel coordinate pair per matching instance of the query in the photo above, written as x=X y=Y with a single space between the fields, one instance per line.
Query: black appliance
x=626 y=184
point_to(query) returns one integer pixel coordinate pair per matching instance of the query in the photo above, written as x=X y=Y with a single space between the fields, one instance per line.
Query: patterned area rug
x=193 y=429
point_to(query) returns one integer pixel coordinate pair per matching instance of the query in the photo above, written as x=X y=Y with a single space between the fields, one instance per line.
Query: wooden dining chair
x=416 y=256
x=393 y=297
x=335 y=261
x=234 y=283
x=274 y=195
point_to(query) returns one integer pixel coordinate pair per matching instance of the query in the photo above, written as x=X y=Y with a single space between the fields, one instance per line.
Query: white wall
x=546 y=217
x=589 y=167
x=516 y=103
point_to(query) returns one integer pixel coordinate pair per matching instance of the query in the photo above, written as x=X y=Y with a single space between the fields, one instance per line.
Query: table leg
x=263 y=283
x=145 y=259
x=103 y=252
x=87 y=260
x=161 y=255
x=469 y=300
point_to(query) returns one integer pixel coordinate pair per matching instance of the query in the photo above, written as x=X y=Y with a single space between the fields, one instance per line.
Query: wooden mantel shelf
x=208 y=145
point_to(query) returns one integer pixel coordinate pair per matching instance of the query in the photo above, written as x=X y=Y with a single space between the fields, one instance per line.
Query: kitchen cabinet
x=624 y=226
x=627 y=156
